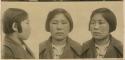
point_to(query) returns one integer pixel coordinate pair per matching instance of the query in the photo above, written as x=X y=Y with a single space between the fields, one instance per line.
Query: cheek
x=91 y=28
x=26 y=29
x=68 y=28
x=52 y=29
x=105 y=29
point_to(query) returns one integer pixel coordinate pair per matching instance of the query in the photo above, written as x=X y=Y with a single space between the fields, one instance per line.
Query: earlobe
x=14 y=27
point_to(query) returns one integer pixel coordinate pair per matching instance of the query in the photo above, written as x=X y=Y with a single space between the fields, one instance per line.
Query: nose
x=96 y=26
x=59 y=26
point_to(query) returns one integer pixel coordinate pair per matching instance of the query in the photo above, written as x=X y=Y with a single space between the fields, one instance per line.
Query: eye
x=92 y=22
x=101 y=22
x=27 y=22
x=54 y=22
x=64 y=22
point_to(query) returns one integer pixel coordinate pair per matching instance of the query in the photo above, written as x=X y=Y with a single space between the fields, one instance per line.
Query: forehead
x=59 y=16
x=98 y=17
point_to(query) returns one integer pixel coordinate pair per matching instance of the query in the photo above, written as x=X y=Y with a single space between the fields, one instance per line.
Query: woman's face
x=59 y=27
x=99 y=27
x=25 y=30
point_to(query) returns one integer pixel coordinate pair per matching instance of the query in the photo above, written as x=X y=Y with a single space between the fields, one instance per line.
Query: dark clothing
x=57 y=0
x=77 y=0
x=71 y=50
x=101 y=0
x=114 y=50
x=13 y=50
x=14 y=0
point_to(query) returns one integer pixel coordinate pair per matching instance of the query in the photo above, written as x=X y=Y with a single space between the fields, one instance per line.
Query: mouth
x=59 y=33
x=97 y=33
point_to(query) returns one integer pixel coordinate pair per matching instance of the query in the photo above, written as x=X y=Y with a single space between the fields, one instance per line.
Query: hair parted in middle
x=54 y=12
x=108 y=15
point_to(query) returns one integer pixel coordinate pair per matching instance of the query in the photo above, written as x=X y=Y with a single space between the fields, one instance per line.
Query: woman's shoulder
x=87 y=43
x=7 y=52
x=9 y=44
x=117 y=44
x=75 y=46
x=73 y=43
x=43 y=45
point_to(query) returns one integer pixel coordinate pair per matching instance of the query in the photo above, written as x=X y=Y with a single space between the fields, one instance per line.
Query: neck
x=15 y=38
x=102 y=41
x=58 y=42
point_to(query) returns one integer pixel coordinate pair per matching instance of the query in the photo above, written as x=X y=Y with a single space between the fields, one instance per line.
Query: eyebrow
x=97 y=20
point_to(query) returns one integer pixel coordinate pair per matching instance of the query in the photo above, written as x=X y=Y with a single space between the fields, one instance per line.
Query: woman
x=57 y=0
x=15 y=0
x=59 y=45
x=17 y=29
x=103 y=44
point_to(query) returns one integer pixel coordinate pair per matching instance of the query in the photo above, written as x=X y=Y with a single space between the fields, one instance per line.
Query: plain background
x=80 y=12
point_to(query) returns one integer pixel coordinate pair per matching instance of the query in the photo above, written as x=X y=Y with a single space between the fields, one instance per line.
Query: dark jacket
x=115 y=49
x=71 y=50
x=57 y=0
x=101 y=0
x=15 y=0
x=79 y=0
x=12 y=50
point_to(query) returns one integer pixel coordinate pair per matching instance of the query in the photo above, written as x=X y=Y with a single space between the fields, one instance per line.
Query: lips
x=96 y=33
x=59 y=33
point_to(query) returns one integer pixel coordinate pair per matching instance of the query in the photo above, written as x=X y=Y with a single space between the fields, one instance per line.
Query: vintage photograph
x=16 y=28
x=54 y=0
x=62 y=30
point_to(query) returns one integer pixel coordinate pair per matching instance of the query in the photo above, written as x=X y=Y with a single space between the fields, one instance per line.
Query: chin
x=59 y=38
x=99 y=38
x=24 y=38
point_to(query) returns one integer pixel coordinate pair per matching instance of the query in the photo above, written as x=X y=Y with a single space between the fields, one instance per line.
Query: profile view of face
x=59 y=27
x=99 y=27
x=25 y=30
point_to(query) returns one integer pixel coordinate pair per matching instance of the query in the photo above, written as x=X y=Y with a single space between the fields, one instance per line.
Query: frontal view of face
x=59 y=26
x=59 y=45
x=99 y=27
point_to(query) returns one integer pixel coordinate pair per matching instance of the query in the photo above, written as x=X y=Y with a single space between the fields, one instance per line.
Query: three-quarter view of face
x=99 y=27
x=102 y=23
x=58 y=40
x=102 y=44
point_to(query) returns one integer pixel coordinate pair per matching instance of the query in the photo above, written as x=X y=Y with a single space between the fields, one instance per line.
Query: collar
x=10 y=40
x=58 y=47
x=103 y=46
x=113 y=42
x=76 y=47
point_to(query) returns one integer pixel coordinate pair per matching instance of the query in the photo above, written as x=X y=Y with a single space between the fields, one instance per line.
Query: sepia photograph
x=57 y=0
x=16 y=29
x=62 y=30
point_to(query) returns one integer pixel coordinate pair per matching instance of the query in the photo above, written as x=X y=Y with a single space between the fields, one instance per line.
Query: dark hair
x=109 y=17
x=55 y=12
x=13 y=15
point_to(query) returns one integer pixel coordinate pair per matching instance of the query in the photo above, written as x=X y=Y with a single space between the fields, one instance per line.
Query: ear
x=14 y=27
